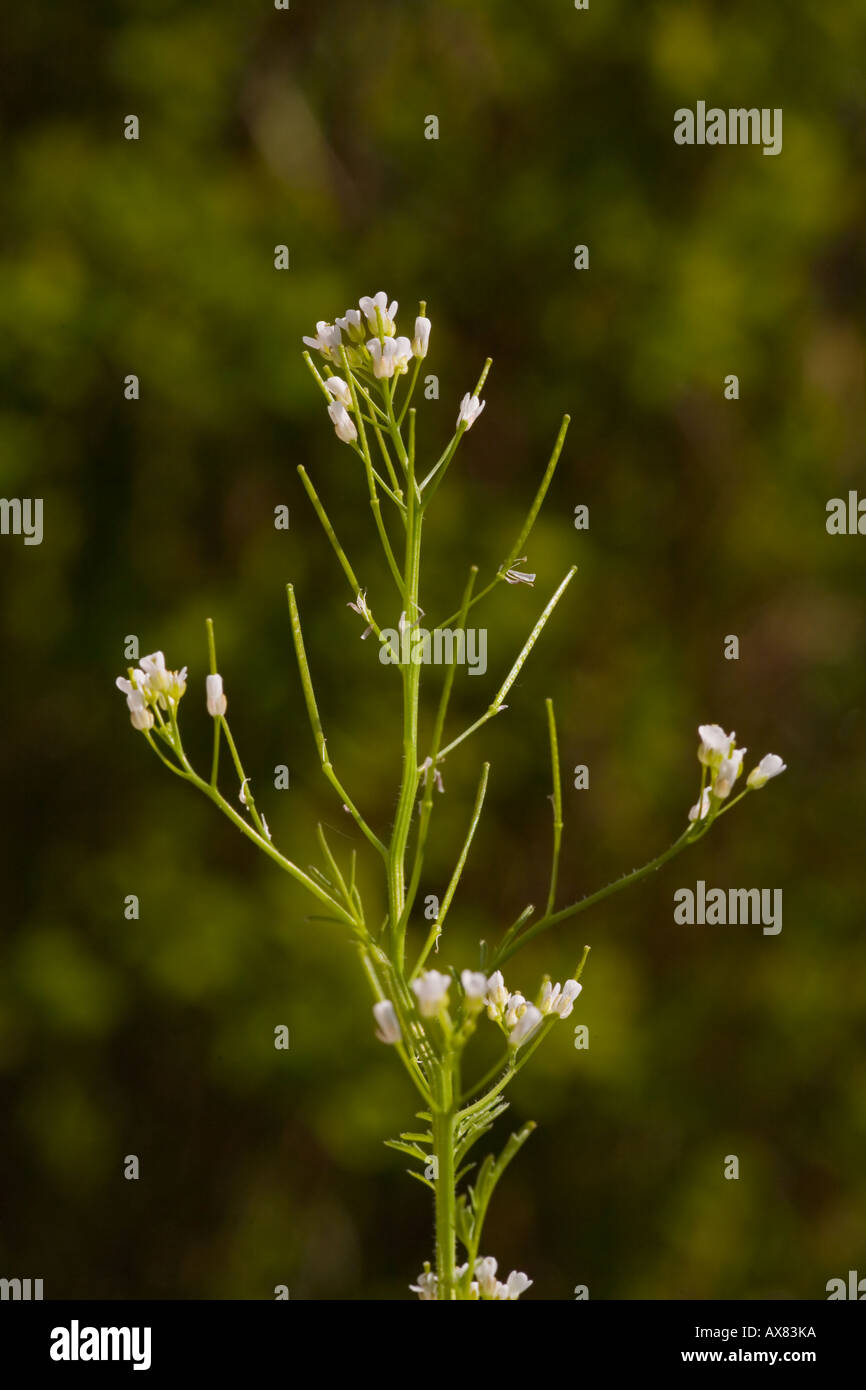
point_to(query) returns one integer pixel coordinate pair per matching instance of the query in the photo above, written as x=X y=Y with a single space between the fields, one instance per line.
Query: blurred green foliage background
x=155 y=1037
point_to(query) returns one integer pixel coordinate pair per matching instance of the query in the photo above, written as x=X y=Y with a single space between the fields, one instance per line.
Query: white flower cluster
x=484 y=1286
x=368 y=336
x=512 y=1012
x=150 y=685
x=718 y=752
x=520 y=1018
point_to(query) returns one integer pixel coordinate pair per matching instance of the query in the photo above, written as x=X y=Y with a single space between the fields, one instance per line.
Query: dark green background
x=707 y=518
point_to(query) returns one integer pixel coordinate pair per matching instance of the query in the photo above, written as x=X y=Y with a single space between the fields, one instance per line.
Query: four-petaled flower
x=431 y=991
x=470 y=408
x=371 y=303
x=769 y=766
x=559 y=999
x=327 y=340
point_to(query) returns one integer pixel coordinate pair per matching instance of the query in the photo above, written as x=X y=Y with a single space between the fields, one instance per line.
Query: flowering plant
x=429 y=1017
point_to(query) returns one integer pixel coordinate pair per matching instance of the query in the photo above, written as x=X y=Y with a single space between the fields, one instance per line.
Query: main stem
x=411 y=673
x=444 y=1183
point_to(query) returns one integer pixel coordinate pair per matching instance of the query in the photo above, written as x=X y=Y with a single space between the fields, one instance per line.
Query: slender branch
x=550 y=919
x=430 y=771
x=557 y=806
x=258 y=839
x=440 y=468
x=332 y=537
x=217 y=724
x=437 y=926
x=316 y=724
x=530 y=642
x=528 y=523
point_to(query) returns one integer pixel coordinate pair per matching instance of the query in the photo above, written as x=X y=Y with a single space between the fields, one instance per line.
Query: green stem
x=446 y=1203
x=530 y=642
x=411 y=679
x=437 y=926
x=430 y=771
x=550 y=919
x=316 y=724
x=335 y=544
x=557 y=805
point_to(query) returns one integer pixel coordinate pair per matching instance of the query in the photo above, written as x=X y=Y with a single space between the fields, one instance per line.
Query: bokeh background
x=707 y=518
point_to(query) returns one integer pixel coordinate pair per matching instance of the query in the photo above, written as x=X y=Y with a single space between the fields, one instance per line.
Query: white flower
x=769 y=766
x=426 y=1286
x=352 y=325
x=386 y=1017
x=216 y=700
x=470 y=409
x=369 y=304
x=701 y=809
x=559 y=999
x=383 y=363
x=497 y=996
x=474 y=984
x=485 y=1273
x=344 y=426
x=729 y=770
x=402 y=354
x=389 y=357
x=514 y=1009
x=459 y=1272
x=156 y=683
x=155 y=674
x=360 y=607
x=715 y=744
x=526 y=1024
x=516 y=1284
x=140 y=716
x=422 y=336
x=517 y=576
x=431 y=991
x=138 y=682
x=339 y=389
x=327 y=340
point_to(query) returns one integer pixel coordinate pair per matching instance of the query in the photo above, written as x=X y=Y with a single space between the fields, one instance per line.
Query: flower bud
x=388 y=1030
x=140 y=717
x=497 y=996
x=339 y=389
x=769 y=766
x=344 y=426
x=422 y=336
x=216 y=700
